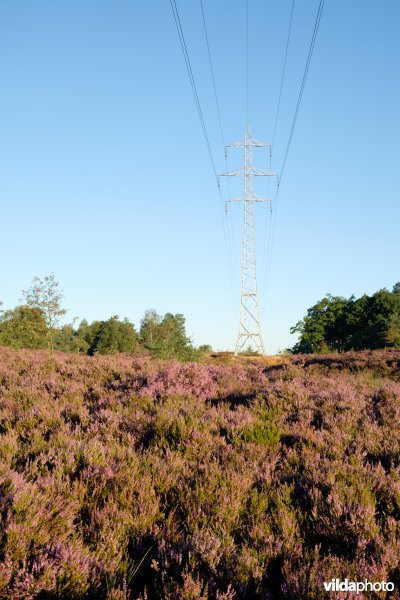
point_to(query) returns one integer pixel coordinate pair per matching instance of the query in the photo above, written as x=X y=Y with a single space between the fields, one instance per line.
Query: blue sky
x=105 y=178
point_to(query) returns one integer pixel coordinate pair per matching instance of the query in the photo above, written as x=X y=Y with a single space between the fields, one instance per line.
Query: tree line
x=337 y=324
x=36 y=324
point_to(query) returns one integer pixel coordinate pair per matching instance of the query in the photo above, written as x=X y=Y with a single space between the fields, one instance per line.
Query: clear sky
x=105 y=178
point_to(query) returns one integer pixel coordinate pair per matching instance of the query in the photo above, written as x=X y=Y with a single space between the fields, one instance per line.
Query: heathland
x=129 y=477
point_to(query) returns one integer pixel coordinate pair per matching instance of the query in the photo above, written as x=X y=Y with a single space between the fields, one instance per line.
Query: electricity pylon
x=249 y=327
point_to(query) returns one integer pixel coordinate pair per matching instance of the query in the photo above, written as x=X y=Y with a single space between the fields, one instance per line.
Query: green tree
x=45 y=295
x=204 y=349
x=149 y=331
x=338 y=324
x=23 y=327
x=173 y=339
x=382 y=316
x=392 y=327
x=87 y=332
x=325 y=326
x=396 y=288
x=165 y=337
x=109 y=337
x=68 y=339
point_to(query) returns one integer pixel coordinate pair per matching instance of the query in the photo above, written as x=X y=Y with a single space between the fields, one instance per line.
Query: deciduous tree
x=45 y=295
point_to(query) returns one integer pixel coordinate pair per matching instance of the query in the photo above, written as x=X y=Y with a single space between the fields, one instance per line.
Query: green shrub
x=263 y=434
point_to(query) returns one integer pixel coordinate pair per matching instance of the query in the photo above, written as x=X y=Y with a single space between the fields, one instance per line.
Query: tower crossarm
x=261 y=173
x=249 y=171
x=257 y=198
x=248 y=141
x=254 y=198
x=237 y=173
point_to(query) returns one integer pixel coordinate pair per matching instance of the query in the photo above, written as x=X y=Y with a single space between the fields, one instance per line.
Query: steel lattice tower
x=249 y=327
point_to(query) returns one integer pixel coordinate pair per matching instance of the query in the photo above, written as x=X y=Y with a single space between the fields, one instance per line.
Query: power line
x=247 y=63
x=212 y=73
x=203 y=126
x=192 y=82
x=303 y=83
x=267 y=238
x=201 y=117
x=229 y=225
x=283 y=73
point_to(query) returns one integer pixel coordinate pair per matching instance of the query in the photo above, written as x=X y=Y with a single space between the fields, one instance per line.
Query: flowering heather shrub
x=124 y=477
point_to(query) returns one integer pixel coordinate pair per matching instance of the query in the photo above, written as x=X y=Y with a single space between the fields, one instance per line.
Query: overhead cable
x=192 y=82
x=212 y=73
x=185 y=53
x=283 y=74
x=229 y=225
x=267 y=239
x=296 y=113
x=303 y=83
x=247 y=63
